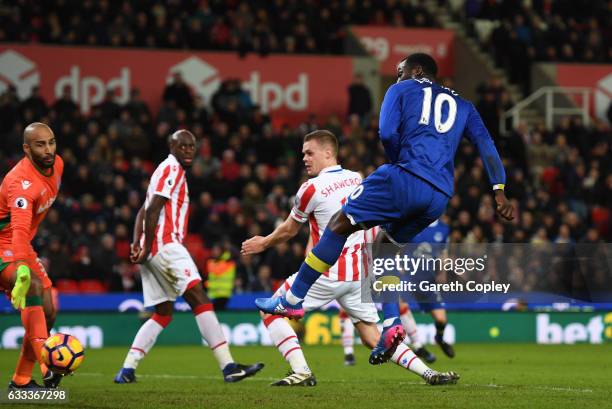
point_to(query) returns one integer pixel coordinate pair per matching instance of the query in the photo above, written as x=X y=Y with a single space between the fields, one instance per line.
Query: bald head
x=34 y=130
x=39 y=145
x=182 y=145
x=179 y=135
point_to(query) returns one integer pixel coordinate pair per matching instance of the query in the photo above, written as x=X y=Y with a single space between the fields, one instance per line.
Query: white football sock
x=292 y=299
x=348 y=335
x=145 y=339
x=211 y=331
x=405 y=358
x=287 y=343
x=412 y=331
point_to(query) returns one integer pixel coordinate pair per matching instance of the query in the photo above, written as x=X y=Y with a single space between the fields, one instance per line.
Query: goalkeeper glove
x=21 y=287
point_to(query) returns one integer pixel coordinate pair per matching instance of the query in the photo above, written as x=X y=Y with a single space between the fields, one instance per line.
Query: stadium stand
x=540 y=30
x=261 y=26
x=241 y=184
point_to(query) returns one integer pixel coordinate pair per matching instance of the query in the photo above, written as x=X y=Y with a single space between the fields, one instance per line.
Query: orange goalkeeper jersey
x=26 y=195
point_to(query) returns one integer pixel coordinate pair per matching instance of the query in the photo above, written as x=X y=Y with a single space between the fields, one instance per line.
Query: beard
x=43 y=162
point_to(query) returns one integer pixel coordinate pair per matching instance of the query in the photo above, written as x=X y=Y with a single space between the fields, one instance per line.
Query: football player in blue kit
x=421 y=125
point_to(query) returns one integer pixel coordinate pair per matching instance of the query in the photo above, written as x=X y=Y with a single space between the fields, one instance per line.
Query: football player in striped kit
x=316 y=202
x=167 y=270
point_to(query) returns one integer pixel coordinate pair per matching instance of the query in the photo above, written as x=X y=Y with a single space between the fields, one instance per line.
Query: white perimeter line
x=262 y=379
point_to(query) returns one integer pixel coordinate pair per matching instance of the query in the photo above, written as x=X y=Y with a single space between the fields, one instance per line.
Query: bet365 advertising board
x=320 y=328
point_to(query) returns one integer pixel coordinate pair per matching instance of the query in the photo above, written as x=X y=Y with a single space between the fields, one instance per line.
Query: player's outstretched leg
x=211 y=331
x=286 y=340
x=392 y=335
x=412 y=334
x=144 y=340
x=348 y=338
x=319 y=259
x=405 y=357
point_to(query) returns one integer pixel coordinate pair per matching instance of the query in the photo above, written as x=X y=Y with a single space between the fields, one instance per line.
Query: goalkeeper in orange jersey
x=26 y=194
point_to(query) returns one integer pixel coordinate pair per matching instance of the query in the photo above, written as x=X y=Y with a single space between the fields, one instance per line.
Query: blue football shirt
x=421 y=126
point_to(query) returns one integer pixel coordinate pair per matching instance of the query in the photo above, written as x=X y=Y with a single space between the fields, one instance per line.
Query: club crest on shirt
x=8 y=253
x=25 y=184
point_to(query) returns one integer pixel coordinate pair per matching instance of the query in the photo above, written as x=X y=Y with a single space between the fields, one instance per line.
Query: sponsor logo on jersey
x=46 y=206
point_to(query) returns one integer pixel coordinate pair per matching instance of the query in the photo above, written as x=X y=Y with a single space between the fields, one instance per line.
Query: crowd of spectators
x=285 y=26
x=246 y=172
x=493 y=100
x=542 y=30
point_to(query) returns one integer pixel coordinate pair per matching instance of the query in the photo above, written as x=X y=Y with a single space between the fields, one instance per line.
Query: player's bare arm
x=285 y=231
x=151 y=216
x=138 y=229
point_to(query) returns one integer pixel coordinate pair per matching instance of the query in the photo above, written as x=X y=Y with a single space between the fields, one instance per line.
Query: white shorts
x=167 y=275
x=347 y=293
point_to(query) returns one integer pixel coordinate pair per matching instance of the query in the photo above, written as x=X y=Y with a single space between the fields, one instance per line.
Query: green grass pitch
x=492 y=376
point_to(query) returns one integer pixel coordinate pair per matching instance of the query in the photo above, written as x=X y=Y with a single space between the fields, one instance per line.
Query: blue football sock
x=321 y=257
x=390 y=312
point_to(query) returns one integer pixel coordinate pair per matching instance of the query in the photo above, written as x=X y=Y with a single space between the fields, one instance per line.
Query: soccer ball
x=62 y=353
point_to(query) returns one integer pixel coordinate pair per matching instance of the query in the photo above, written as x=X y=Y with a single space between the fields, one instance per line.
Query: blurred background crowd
x=540 y=30
x=247 y=172
x=288 y=26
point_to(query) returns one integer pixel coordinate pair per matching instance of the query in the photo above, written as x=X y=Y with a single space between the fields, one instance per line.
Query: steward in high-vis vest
x=221 y=275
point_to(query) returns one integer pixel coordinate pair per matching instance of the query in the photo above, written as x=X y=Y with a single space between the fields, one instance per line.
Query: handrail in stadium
x=550 y=109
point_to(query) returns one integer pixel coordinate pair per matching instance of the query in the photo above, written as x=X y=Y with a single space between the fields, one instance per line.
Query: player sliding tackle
x=317 y=201
x=421 y=125
x=26 y=194
x=167 y=269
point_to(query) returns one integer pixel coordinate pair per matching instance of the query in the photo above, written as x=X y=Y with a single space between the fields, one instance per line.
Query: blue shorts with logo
x=400 y=202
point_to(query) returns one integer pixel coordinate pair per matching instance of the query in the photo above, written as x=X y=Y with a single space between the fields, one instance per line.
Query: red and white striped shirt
x=169 y=180
x=316 y=202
